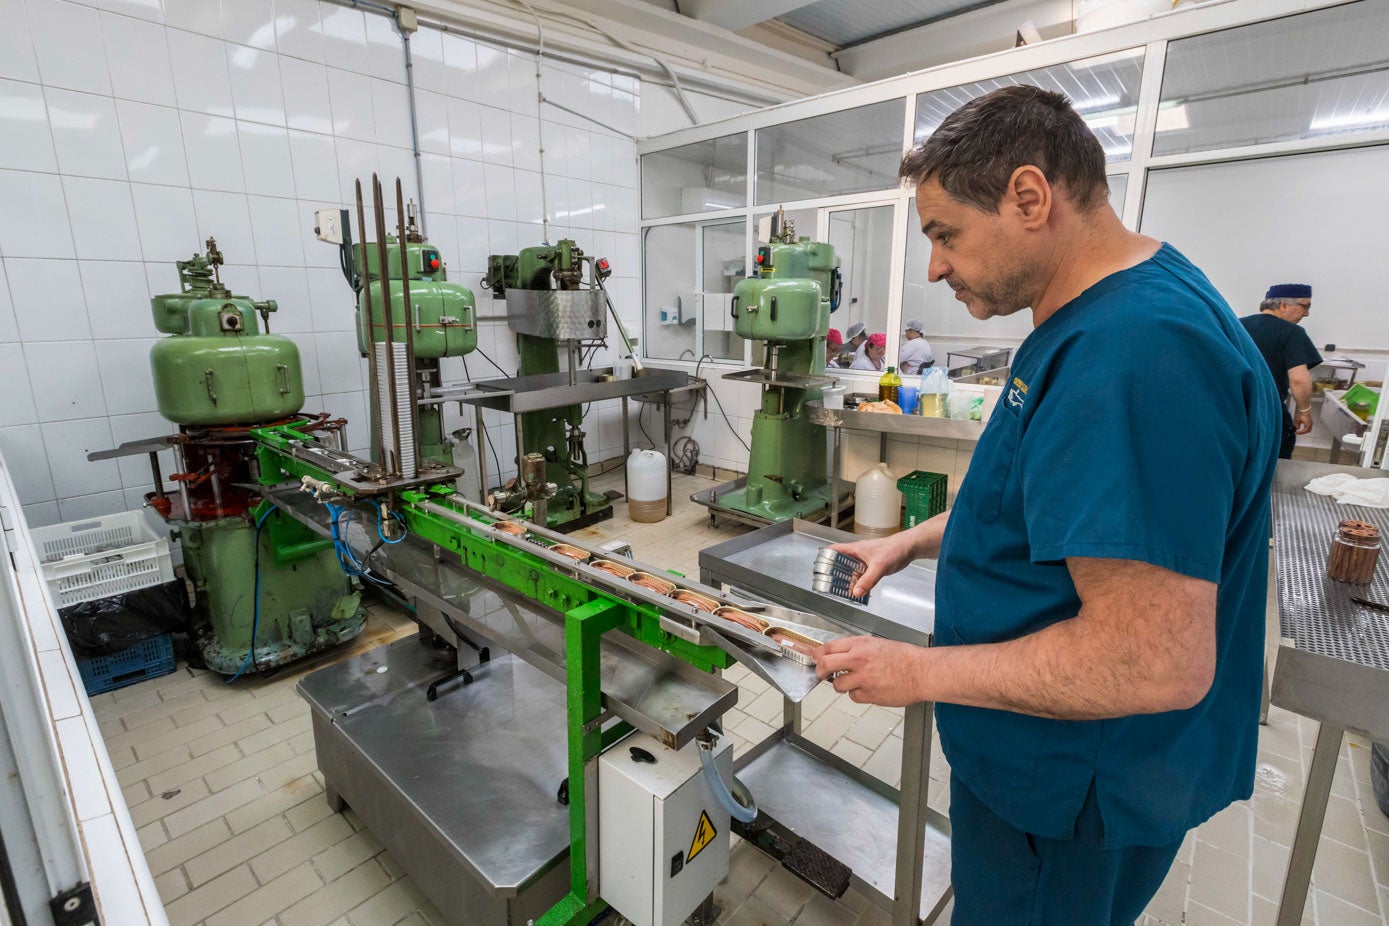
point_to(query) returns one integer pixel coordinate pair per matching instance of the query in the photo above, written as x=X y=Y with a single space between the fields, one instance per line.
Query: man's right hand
x=882 y=556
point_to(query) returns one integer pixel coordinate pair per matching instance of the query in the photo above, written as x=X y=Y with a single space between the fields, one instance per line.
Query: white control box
x=327 y=225
x=662 y=838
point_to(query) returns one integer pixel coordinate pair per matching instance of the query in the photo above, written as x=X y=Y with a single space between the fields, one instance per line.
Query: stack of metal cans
x=835 y=574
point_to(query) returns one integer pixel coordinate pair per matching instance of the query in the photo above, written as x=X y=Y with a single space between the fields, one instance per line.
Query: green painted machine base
x=307 y=604
x=570 y=518
x=813 y=502
x=786 y=469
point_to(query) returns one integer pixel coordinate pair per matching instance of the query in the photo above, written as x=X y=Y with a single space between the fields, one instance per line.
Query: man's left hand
x=1302 y=422
x=873 y=671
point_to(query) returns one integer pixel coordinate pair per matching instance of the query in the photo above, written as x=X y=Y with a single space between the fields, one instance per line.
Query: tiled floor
x=222 y=782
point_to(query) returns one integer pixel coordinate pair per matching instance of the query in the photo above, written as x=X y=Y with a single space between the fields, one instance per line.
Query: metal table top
x=1333 y=663
x=776 y=562
x=494 y=751
x=887 y=423
x=553 y=390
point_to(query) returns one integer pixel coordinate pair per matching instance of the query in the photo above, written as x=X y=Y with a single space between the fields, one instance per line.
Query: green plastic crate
x=924 y=495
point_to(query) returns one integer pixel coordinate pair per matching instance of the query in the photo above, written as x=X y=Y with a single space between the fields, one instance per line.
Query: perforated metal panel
x=1314 y=610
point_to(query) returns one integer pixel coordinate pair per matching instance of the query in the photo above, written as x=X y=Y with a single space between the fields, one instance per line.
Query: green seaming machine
x=787 y=306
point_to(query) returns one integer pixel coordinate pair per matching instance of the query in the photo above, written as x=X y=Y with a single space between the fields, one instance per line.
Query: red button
x=434 y=264
x=759 y=258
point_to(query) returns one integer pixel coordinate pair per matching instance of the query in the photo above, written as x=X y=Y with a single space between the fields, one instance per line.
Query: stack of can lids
x=835 y=574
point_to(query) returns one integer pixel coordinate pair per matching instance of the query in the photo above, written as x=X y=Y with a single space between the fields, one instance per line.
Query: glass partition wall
x=1203 y=87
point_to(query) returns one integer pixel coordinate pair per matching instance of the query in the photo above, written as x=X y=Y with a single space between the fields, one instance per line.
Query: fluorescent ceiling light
x=1099 y=102
x=1361 y=120
x=1113 y=58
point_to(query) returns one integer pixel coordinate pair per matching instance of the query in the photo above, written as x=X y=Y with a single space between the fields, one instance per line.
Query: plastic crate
x=101 y=557
x=150 y=658
x=923 y=494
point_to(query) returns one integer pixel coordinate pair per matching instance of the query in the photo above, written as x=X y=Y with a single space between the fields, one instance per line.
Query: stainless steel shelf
x=887 y=423
x=554 y=390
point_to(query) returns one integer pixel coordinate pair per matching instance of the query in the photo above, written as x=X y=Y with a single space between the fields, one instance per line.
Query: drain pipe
x=407 y=22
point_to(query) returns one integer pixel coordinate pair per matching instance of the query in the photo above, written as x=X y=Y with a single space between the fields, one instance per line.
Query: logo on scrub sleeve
x=1016 y=395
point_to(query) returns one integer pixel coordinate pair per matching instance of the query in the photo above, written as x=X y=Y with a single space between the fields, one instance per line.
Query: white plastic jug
x=877 y=503
x=646 y=486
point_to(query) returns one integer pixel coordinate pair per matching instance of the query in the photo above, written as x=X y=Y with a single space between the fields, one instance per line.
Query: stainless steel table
x=885 y=425
x=1333 y=656
x=850 y=810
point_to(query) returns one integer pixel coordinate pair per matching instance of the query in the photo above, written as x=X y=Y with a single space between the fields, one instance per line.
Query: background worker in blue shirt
x=1101 y=579
x=1289 y=353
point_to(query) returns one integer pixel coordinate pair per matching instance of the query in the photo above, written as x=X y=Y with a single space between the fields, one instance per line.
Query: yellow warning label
x=704 y=834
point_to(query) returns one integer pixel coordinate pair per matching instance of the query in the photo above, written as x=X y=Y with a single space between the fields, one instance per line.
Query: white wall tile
x=58 y=29
x=315 y=167
x=125 y=375
x=255 y=83
x=356 y=161
x=9 y=328
x=397 y=162
x=44 y=514
x=275 y=226
x=525 y=143
x=119 y=295
x=204 y=16
x=28 y=142
x=103 y=219
x=528 y=204
x=152 y=10
x=469 y=195
x=16 y=46
x=213 y=151
x=85 y=134
x=386 y=54
x=200 y=73
x=473 y=247
x=307 y=103
x=226 y=217
x=135 y=471
x=68 y=443
x=168 y=228
x=391 y=105
x=350 y=95
x=496 y=135
x=82 y=507
x=161 y=277
x=317 y=254
x=48 y=300
x=308 y=362
x=153 y=141
x=344 y=38
x=432 y=115
x=501 y=192
x=338 y=368
x=289 y=287
x=299 y=31
x=265 y=159
x=249 y=22
x=427 y=56
x=465 y=129
x=330 y=301
x=139 y=60
x=438 y=183
x=27 y=461
x=460 y=61
x=65 y=379
x=493 y=75
x=18 y=406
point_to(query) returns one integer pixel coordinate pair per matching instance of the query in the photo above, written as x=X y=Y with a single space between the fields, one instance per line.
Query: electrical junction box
x=328 y=225
x=662 y=838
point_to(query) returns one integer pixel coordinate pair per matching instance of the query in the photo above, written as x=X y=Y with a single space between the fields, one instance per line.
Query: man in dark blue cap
x=1289 y=353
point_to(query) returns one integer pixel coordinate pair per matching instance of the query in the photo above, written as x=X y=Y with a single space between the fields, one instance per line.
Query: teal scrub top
x=1139 y=422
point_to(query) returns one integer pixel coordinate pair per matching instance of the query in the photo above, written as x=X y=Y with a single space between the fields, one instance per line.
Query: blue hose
x=721 y=793
x=255 y=619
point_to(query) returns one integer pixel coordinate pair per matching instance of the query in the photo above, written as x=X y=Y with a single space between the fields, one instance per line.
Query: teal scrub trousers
x=1005 y=877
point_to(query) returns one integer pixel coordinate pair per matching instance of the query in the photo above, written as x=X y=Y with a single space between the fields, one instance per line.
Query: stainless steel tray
x=554 y=390
x=764 y=377
x=886 y=423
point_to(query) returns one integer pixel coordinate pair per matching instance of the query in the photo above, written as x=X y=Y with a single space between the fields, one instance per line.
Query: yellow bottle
x=887 y=386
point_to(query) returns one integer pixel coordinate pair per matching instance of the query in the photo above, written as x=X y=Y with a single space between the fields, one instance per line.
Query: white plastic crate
x=104 y=556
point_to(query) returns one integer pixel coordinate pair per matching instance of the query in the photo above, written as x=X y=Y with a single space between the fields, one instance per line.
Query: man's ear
x=1028 y=197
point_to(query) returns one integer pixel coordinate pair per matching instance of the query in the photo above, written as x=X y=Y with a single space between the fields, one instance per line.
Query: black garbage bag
x=109 y=625
x=1379 y=775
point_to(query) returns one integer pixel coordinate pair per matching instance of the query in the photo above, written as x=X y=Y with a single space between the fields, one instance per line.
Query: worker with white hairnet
x=915 y=354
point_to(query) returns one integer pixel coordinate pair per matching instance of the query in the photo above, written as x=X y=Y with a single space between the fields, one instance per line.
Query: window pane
x=1118 y=187
x=862 y=240
x=846 y=152
x=691 y=269
x=1306 y=76
x=1104 y=90
x=702 y=177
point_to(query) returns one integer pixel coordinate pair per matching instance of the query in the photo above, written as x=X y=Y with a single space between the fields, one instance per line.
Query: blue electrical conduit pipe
x=739 y=812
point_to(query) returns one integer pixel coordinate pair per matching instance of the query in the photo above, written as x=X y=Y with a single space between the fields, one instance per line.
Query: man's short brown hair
x=976 y=149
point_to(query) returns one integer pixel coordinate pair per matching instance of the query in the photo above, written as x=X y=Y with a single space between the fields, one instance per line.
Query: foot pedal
x=817 y=868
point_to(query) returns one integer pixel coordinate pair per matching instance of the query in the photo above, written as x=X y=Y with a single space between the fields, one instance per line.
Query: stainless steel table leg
x=665 y=414
x=911 y=820
x=1335 y=450
x=481 y=427
x=626 y=448
x=791 y=715
x=834 y=478
x=1309 y=824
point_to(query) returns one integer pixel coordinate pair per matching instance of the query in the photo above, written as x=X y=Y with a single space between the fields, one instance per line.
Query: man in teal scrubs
x=1101 y=587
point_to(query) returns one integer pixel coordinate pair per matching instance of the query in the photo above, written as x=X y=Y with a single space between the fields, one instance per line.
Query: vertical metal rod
x=834 y=478
x=411 y=374
x=626 y=447
x=181 y=464
x=480 y=427
x=911 y=821
x=665 y=415
x=158 y=476
x=388 y=319
x=374 y=413
x=1309 y=823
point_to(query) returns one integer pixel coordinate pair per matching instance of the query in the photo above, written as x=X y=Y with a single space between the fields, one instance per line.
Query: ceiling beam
x=735 y=15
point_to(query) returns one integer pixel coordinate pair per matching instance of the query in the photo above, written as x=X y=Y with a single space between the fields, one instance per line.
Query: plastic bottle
x=646 y=486
x=887 y=386
x=931 y=398
x=877 y=503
